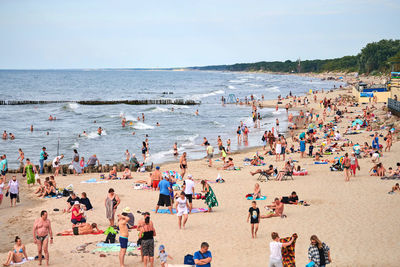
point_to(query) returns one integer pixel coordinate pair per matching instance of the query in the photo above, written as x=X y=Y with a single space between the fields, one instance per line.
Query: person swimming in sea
x=197 y=112
x=99 y=131
x=157 y=124
x=123 y=122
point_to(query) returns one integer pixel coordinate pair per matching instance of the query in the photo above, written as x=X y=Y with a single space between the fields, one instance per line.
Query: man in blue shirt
x=164 y=198
x=4 y=166
x=43 y=157
x=375 y=141
x=203 y=257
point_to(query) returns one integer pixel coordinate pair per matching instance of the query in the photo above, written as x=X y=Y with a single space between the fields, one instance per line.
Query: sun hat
x=126 y=210
x=77 y=203
x=162 y=247
x=190 y=176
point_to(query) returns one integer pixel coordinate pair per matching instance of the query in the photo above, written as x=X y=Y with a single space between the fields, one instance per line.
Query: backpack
x=188 y=260
x=110 y=238
x=45 y=156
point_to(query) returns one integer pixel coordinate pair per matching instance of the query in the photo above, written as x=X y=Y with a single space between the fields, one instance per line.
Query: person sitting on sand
x=268 y=171
x=395 y=188
x=276 y=209
x=70 y=201
x=127 y=173
x=375 y=156
x=113 y=173
x=49 y=190
x=18 y=254
x=81 y=229
x=390 y=172
x=256 y=161
x=85 y=202
x=286 y=169
x=257 y=191
x=378 y=170
x=134 y=161
x=40 y=189
x=229 y=165
x=77 y=214
x=292 y=199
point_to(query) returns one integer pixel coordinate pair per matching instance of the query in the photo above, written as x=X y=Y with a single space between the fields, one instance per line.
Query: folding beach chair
x=263 y=177
x=288 y=175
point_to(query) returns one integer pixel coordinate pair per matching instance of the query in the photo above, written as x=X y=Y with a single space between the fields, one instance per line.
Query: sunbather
x=229 y=165
x=286 y=169
x=257 y=191
x=396 y=187
x=276 y=209
x=127 y=173
x=268 y=171
x=113 y=173
x=81 y=229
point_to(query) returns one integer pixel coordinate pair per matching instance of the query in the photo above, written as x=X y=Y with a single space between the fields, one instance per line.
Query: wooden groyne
x=105 y=102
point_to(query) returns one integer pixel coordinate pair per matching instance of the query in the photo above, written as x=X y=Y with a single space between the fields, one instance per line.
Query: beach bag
x=188 y=260
x=310 y=264
x=110 y=238
x=45 y=156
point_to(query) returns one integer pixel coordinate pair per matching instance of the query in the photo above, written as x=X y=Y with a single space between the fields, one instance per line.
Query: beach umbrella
x=311 y=126
x=357 y=121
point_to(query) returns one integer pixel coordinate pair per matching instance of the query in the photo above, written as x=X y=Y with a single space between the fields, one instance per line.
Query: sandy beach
x=356 y=219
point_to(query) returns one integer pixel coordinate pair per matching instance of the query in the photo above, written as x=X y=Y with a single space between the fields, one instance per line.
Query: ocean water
x=180 y=125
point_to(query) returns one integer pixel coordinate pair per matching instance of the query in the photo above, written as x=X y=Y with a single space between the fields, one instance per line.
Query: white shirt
x=58 y=158
x=276 y=251
x=1 y=188
x=14 y=187
x=189 y=185
x=181 y=203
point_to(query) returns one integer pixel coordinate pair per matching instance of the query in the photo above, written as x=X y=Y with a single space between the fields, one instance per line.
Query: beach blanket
x=58 y=196
x=115 y=247
x=259 y=198
x=320 y=162
x=100 y=232
x=141 y=186
x=93 y=181
x=195 y=210
x=23 y=261
x=288 y=253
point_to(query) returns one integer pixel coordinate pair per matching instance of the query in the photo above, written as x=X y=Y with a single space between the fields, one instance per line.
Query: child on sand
x=254 y=216
x=163 y=256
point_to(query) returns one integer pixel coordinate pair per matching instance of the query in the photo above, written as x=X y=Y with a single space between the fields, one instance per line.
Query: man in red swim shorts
x=155 y=178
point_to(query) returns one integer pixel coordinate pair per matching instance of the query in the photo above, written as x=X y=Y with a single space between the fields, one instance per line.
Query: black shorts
x=253 y=221
x=4 y=172
x=183 y=166
x=189 y=197
x=13 y=195
x=164 y=200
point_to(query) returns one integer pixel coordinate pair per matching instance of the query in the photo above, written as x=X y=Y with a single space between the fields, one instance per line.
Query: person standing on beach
x=123 y=236
x=319 y=252
x=42 y=158
x=183 y=164
x=182 y=210
x=56 y=164
x=112 y=201
x=21 y=156
x=4 y=166
x=2 y=187
x=127 y=156
x=275 y=247
x=29 y=171
x=254 y=217
x=203 y=257
x=147 y=234
x=302 y=147
x=144 y=151
x=210 y=154
x=13 y=189
x=156 y=178
x=239 y=134
x=175 y=148
x=188 y=188
x=211 y=199
x=41 y=231
x=164 y=198
x=346 y=167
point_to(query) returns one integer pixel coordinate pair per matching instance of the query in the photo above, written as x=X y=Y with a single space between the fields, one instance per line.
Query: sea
x=177 y=123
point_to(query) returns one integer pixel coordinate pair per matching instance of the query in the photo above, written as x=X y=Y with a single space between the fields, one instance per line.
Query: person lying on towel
x=81 y=229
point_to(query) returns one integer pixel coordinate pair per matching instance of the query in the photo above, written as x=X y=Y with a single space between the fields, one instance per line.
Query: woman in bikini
x=346 y=166
x=18 y=254
x=183 y=164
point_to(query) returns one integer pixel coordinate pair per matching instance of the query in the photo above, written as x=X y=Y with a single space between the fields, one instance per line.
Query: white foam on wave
x=188 y=140
x=201 y=96
x=158 y=109
x=235 y=81
x=160 y=156
x=273 y=89
x=141 y=126
x=73 y=105
x=75 y=145
x=218 y=124
x=231 y=87
x=94 y=134
x=254 y=85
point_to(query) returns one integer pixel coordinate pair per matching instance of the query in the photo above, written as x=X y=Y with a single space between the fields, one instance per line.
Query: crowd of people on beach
x=318 y=138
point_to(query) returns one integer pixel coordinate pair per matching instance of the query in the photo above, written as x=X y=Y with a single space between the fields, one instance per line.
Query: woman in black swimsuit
x=144 y=151
x=147 y=233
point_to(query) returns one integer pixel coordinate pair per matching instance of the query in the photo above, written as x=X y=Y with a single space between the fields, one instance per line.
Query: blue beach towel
x=261 y=198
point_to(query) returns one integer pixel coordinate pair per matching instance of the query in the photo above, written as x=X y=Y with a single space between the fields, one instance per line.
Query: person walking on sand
x=147 y=234
x=56 y=164
x=354 y=163
x=41 y=231
x=211 y=199
x=29 y=170
x=13 y=189
x=254 y=217
x=21 y=156
x=318 y=252
x=346 y=167
x=183 y=164
x=275 y=248
x=182 y=210
x=112 y=201
x=123 y=236
x=210 y=154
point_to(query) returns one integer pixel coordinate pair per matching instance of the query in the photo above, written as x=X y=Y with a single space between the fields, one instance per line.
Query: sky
x=54 y=34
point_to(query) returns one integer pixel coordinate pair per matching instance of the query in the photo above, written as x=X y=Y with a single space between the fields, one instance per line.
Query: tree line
x=374 y=58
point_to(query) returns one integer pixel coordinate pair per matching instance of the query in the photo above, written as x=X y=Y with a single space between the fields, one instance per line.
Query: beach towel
x=93 y=181
x=109 y=208
x=166 y=211
x=115 y=247
x=259 y=198
x=23 y=261
x=99 y=232
x=288 y=253
x=320 y=162
x=57 y=196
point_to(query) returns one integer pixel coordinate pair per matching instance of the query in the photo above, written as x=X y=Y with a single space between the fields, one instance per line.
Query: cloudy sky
x=47 y=34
